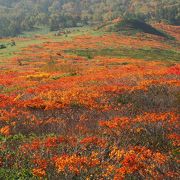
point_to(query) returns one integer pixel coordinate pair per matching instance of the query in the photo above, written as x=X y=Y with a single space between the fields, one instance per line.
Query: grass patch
x=15 y=174
x=10 y=50
x=33 y=39
x=146 y=54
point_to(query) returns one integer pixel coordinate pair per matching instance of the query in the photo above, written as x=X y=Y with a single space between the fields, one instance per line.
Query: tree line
x=17 y=16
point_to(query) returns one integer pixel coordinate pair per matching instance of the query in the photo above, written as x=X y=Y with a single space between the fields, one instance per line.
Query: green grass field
x=146 y=54
x=41 y=35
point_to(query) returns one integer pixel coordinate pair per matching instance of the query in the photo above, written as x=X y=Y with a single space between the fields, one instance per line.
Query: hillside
x=90 y=105
x=58 y=14
x=89 y=90
x=132 y=27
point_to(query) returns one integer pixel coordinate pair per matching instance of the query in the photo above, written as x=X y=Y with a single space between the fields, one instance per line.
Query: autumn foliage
x=64 y=116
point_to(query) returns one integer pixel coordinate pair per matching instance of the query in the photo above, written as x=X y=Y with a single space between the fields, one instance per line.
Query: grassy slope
x=30 y=38
x=38 y=37
x=147 y=54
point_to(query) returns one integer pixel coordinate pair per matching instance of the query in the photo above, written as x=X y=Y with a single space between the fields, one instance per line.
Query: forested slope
x=19 y=15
